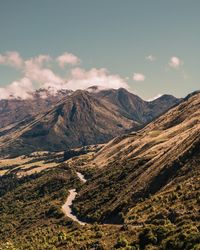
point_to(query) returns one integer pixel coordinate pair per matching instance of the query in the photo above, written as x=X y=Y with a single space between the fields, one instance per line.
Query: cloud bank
x=99 y=77
x=37 y=72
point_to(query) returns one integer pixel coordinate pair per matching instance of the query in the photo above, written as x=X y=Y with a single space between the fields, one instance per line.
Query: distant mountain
x=133 y=107
x=15 y=109
x=82 y=118
x=150 y=176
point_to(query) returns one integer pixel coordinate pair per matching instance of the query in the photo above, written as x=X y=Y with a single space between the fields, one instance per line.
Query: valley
x=140 y=190
x=99 y=125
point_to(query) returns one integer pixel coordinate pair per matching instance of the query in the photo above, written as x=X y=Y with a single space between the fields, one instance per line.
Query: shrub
x=121 y=242
x=54 y=212
x=147 y=237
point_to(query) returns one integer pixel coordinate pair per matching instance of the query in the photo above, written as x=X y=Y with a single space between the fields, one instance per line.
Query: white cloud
x=12 y=58
x=150 y=58
x=175 y=62
x=138 y=77
x=154 y=98
x=79 y=78
x=67 y=58
x=41 y=59
x=17 y=89
x=37 y=72
x=82 y=79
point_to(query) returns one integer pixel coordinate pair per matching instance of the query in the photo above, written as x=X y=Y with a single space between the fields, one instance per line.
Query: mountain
x=134 y=108
x=82 y=118
x=154 y=169
x=14 y=110
x=142 y=189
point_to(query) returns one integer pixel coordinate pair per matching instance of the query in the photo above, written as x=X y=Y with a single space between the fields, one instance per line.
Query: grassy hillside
x=137 y=166
x=142 y=191
x=31 y=216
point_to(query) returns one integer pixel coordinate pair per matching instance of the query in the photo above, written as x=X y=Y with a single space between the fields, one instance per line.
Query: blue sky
x=151 y=47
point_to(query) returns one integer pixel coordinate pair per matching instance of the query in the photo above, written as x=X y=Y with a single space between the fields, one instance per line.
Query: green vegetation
x=31 y=216
x=34 y=200
x=145 y=195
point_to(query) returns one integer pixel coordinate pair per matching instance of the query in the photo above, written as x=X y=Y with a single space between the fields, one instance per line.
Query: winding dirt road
x=72 y=195
x=81 y=177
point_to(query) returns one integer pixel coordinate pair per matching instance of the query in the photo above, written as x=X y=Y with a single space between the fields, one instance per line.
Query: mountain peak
x=79 y=119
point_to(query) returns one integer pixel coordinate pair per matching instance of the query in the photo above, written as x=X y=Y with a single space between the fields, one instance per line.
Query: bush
x=121 y=242
x=147 y=237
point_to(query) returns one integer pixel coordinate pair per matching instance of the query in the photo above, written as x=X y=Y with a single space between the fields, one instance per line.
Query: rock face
x=148 y=166
x=82 y=118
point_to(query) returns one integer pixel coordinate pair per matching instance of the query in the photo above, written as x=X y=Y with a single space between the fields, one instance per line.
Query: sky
x=149 y=47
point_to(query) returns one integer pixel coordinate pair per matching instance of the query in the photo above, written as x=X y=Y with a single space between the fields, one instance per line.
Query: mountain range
x=75 y=119
x=138 y=189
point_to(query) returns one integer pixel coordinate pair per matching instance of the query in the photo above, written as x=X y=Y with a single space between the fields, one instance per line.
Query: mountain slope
x=133 y=107
x=80 y=119
x=14 y=110
x=147 y=181
x=137 y=166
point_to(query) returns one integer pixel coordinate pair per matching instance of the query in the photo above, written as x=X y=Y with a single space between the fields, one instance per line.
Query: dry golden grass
x=27 y=165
